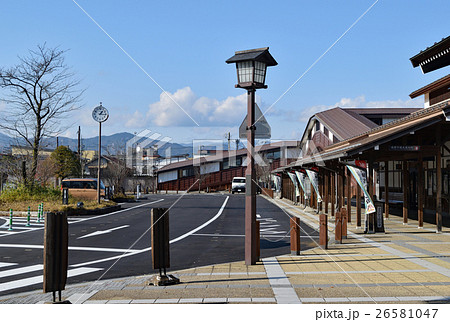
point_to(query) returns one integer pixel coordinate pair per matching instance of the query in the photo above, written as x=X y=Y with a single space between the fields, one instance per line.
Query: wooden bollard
x=338 y=228
x=323 y=231
x=344 y=223
x=295 y=235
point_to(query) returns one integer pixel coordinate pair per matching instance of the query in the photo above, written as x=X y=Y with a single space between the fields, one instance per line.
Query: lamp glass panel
x=260 y=72
x=245 y=71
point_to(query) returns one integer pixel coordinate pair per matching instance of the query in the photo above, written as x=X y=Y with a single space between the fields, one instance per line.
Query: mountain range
x=111 y=144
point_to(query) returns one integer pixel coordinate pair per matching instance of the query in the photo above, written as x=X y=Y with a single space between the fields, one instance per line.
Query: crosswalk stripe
x=39 y=279
x=4 y=264
x=21 y=270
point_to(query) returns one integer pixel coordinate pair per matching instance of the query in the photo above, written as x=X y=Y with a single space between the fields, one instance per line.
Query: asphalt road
x=205 y=229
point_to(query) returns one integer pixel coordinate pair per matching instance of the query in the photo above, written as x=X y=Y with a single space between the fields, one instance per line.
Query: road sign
x=262 y=131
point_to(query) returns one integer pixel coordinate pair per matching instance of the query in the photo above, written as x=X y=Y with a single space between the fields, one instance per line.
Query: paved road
x=204 y=229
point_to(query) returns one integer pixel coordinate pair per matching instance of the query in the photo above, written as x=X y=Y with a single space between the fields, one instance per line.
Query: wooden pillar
x=341 y=193
x=439 y=190
x=405 y=191
x=349 y=195
x=295 y=235
x=386 y=189
x=358 y=206
x=333 y=193
x=326 y=181
x=420 y=190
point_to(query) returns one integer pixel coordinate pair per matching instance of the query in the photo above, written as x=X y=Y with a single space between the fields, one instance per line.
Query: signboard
x=404 y=148
x=262 y=128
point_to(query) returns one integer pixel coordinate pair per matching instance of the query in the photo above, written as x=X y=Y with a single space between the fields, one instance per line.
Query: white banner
x=294 y=181
x=314 y=178
x=360 y=176
x=301 y=178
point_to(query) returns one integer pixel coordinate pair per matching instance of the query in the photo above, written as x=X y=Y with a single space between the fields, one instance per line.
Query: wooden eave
x=444 y=81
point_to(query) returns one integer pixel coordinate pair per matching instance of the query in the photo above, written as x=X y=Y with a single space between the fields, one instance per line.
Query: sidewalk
x=405 y=265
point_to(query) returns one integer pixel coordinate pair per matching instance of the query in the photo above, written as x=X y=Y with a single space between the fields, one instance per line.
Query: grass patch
x=21 y=198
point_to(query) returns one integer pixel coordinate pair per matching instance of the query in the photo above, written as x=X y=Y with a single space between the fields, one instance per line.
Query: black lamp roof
x=260 y=54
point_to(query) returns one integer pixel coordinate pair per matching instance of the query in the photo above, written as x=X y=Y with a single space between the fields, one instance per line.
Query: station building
x=407 y=153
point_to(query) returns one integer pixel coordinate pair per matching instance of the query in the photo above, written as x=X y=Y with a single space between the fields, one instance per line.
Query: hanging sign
x=301 y=179
x=294 y=181
x=314 y=178
x=359 y=172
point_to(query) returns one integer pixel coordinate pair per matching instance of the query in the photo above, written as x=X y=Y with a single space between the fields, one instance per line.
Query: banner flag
x=301 y=178
x=294 y=181
x=360 y=176
x=314 y=178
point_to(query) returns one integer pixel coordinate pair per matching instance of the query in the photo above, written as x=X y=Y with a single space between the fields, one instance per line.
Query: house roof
x=433 y=57
x=379 y=135
x=441 y=82
x=344 y=124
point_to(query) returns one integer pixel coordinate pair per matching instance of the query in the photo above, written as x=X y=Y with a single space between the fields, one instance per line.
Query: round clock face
x=100 y=114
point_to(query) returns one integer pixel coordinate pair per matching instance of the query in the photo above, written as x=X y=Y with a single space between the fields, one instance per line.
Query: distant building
x=215 y=172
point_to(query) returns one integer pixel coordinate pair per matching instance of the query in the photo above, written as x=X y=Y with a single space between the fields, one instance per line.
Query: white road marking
x=101 y=232
x=89 y=249
x=39 y=279
x=149 y=248
x=4 y=264
x=21 y=270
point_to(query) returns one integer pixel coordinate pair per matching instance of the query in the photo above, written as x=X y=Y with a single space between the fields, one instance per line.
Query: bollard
x=323 y=231
x=10 y=219
x=39 y=214
x=338 y=228
x=295 y=235
x=65 y=196
x=160 y=247
x=28 y=217
x=56 y=249
x=344 y=223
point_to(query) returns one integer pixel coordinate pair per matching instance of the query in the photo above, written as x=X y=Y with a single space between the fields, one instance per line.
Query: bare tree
x=40 y=91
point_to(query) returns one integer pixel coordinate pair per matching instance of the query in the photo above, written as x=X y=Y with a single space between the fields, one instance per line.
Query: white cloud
x=182 y=107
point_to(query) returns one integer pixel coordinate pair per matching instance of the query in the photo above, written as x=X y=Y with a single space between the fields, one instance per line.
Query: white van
x=238 y=184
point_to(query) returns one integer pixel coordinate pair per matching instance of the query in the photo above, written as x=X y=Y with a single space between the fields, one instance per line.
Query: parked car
x=238 y=184
x=83 y=188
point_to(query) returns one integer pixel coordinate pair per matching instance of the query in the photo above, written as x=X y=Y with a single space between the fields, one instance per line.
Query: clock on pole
x=99 y=114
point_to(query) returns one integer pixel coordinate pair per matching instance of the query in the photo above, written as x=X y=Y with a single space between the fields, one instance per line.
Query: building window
x=188 y=172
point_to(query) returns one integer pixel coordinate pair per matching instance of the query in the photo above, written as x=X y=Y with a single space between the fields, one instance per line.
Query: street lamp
x=251 y=66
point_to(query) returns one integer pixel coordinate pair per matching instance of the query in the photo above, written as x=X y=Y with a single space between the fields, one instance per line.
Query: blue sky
x=181 y=47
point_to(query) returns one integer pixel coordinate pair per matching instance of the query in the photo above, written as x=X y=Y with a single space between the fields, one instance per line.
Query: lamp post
x=251 y=66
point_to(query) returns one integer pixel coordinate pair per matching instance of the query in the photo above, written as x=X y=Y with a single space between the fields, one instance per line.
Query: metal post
x=250 y=193
x=10 y=219
x=99 y=158
x=28 y=216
